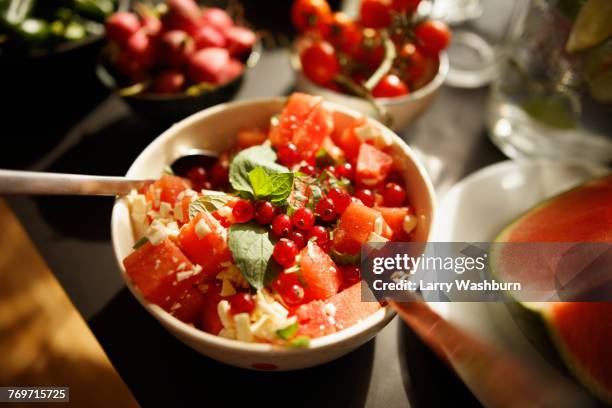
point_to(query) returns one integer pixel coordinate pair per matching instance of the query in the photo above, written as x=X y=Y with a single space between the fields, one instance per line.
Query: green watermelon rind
x=573 y=365
x=533 y=318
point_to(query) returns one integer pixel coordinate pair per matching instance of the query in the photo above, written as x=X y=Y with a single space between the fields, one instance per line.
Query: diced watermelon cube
x=304 y=122
x=166 y=189
x=346 y=138
x=354 y=228
x=154 y=270
x=319 y=273
x=373 y=165
x=318 y=318
x=314 y=320
x=394 y=217
x=349 y=309
x=205 y=243
x=211 y=322
x=189 y=306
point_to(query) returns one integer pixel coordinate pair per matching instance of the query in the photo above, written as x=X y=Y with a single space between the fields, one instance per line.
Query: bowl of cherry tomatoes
x=388 y=63
x=177 y=57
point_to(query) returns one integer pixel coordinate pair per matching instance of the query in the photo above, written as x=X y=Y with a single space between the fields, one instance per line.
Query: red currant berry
x=366 y=196
x=303 y=218
x=285 y=252
x=320 y=233
x=308 y=169
x=289 y=155
x=219 y=175
x=327 y=209
x=197 y=175
x=241 y=302
x=289 y=287
x=243 y=211
x=394 y=195
x=297 y=237
x=281 y=225
x=351 y=274
x=264 y=212
x=341 y=199
x=345 y=170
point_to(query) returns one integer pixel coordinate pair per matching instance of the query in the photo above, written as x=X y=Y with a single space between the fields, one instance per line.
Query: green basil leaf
x=140 y=242
x=260 y=181
x=282 y=183
x=288 y=332
x=275 y=187
x=208 y=203
x=247 y=160
x=252 y=249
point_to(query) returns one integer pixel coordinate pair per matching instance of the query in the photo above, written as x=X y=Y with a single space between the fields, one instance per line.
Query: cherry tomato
x=343 y=32
x=433 y=36
x=375 y=13
x=319 y=62
x=415 y=61
x=307 y=14
x=371 y=51
x=390 y=86
x=405 y=5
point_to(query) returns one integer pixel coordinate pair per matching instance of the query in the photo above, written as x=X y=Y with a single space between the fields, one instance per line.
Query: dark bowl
x=167 y=109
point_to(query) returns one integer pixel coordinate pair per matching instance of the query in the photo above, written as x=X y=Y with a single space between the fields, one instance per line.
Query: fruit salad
x=264 y=245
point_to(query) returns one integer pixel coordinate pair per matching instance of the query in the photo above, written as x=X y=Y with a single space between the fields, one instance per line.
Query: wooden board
x=44 y=341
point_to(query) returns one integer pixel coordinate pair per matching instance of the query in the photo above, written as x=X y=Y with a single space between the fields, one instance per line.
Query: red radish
x=129 y=67
x=152 y=25
x=214 y=65
x=205 y=65
x=174 y=48
x=240 y=40
x=232 y=70
x=217 y=18
x=182 y=15
x=209 y=36
x=141 y=48
x=170 y=81
x=121 y=26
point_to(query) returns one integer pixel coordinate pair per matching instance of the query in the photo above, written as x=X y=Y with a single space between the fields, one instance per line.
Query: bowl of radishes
x=388 y=62
x=175 y=58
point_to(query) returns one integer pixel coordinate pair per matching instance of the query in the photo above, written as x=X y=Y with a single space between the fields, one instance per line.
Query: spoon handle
x=34 y=183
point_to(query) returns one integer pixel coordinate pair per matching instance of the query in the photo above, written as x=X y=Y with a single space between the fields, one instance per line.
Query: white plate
x=475 y=210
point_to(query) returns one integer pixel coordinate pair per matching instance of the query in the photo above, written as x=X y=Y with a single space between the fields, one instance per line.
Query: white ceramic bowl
x=215 y=129
x=403 y=110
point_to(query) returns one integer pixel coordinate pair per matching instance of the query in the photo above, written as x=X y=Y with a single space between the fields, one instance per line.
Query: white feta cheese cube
x=243 y=327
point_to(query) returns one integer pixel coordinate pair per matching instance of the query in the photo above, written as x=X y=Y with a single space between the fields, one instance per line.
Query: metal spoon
x=17 y=182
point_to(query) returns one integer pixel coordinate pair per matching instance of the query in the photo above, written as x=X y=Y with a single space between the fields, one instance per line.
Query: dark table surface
x=92 y=132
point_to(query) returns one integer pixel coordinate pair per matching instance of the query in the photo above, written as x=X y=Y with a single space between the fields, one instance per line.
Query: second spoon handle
x=35 y=183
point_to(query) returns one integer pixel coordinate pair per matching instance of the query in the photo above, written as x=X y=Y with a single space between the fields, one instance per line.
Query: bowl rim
x=428 y=89
x=377 y=319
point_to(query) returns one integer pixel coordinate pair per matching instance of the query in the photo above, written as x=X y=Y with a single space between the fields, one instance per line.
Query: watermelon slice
x=319 y=274
x=339 y=312
x=161 y=272
x=580 y=332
